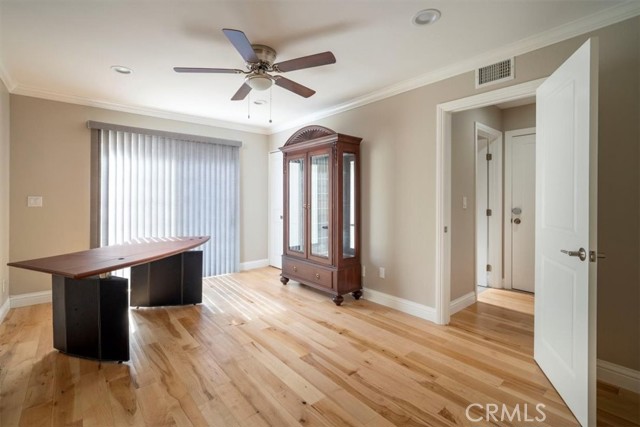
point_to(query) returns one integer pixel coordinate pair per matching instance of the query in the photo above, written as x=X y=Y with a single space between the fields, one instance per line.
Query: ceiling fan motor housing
x=265 y=54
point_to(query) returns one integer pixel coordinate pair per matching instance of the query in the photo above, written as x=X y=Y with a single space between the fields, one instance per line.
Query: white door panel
x=565 y=220
x=523 y=192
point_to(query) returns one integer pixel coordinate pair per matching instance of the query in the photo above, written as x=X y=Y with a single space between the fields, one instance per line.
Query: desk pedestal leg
x=175 y=280
x=91 y=317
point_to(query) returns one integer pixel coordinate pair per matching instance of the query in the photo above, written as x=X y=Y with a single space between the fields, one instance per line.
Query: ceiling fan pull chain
x=249 y=106
x=270 y=102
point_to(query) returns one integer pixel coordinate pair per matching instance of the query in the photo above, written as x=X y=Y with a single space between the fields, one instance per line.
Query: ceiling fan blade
x=242 y=44
x=310 y=61
x=207 y=70
x=294 y=87
x=242 y=93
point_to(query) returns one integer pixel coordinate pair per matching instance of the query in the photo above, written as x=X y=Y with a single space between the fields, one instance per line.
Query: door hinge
x=489 y=267
x=489 y=156
x=489 y=212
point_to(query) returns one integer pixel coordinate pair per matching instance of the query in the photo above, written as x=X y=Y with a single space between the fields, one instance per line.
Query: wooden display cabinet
x=322 y=211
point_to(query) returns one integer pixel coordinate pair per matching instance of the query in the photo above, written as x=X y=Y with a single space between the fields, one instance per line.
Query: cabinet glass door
x=295 y=174
x=320 y=214
x=348 y=205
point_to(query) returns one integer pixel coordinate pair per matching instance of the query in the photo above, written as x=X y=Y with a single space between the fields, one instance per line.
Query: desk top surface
x=96 y=261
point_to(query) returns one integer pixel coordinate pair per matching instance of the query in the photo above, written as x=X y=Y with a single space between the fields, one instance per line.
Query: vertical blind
x=158 y=186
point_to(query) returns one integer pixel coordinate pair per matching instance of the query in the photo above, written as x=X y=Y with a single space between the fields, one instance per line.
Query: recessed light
x=121 y=69
x=426 y=17
x=260 y=102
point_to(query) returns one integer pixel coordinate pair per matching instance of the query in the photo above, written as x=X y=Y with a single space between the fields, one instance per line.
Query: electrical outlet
x=464 y=202
x=364 y=270
x=381 y=272
x=4 y=286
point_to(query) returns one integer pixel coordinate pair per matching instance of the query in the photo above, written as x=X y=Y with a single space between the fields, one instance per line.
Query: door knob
x=580 y=253
x=517 y=221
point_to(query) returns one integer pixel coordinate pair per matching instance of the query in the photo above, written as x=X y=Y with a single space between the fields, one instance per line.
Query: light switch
x=464 y=202
x=34 y=201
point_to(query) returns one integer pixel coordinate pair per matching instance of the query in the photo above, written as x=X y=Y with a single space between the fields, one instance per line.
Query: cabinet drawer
x=307 y=273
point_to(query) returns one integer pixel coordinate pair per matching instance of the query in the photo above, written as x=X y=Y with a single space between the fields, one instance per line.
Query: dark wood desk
x=90 y=307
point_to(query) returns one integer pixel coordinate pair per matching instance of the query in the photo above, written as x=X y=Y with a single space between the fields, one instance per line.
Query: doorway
x=444 y=184
x=479 y=220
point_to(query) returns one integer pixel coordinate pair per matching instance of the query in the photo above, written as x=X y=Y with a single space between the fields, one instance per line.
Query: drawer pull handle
x=318 y=276
x=295 y=268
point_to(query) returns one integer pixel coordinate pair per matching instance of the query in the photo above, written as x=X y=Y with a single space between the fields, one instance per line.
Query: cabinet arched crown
x=308 y=133
x=322 y=211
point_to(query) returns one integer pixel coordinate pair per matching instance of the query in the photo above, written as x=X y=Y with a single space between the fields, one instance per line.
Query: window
x=157 y=184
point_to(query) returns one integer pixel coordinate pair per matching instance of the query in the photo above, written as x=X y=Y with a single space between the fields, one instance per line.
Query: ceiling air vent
x=495 y=73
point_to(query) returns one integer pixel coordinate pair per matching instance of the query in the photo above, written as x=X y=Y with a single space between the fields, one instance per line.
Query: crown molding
x=163 y=114
x=575 y=28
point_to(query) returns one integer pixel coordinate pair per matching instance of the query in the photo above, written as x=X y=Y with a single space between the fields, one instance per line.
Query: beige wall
x=50 y=156
x=522 y=117
x=463 y=184
x=4 y=192
x=618 y=206
x=398 y=171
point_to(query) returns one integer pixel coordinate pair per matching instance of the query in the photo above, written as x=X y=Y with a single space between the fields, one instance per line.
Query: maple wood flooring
x=257 y=353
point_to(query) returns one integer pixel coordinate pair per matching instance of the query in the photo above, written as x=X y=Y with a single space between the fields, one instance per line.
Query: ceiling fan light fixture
x=259 y=81
x=426 y=17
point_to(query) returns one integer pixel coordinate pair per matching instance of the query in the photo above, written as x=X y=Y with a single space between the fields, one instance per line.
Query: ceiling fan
x=260 y=62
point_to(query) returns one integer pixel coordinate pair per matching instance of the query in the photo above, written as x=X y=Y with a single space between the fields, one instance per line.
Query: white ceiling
x=64 y=49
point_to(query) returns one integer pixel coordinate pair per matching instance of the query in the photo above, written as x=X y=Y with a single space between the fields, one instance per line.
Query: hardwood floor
x=257 y=353
x=616 y=407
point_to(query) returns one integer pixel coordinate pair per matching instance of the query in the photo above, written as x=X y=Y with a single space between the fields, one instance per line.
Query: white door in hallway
x=275 y=209
x=566 y=192
x=521 y=149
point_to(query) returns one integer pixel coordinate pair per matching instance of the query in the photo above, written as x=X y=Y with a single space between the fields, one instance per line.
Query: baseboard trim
x=31 y=298
x=4 y=309
x=401 y=304
x=250 y=265
x=618 y=376
x=461 y=303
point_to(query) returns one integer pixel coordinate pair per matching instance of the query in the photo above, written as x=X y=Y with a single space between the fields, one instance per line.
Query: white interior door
x=275 y=209
x=522 y=167
x=566 y=161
